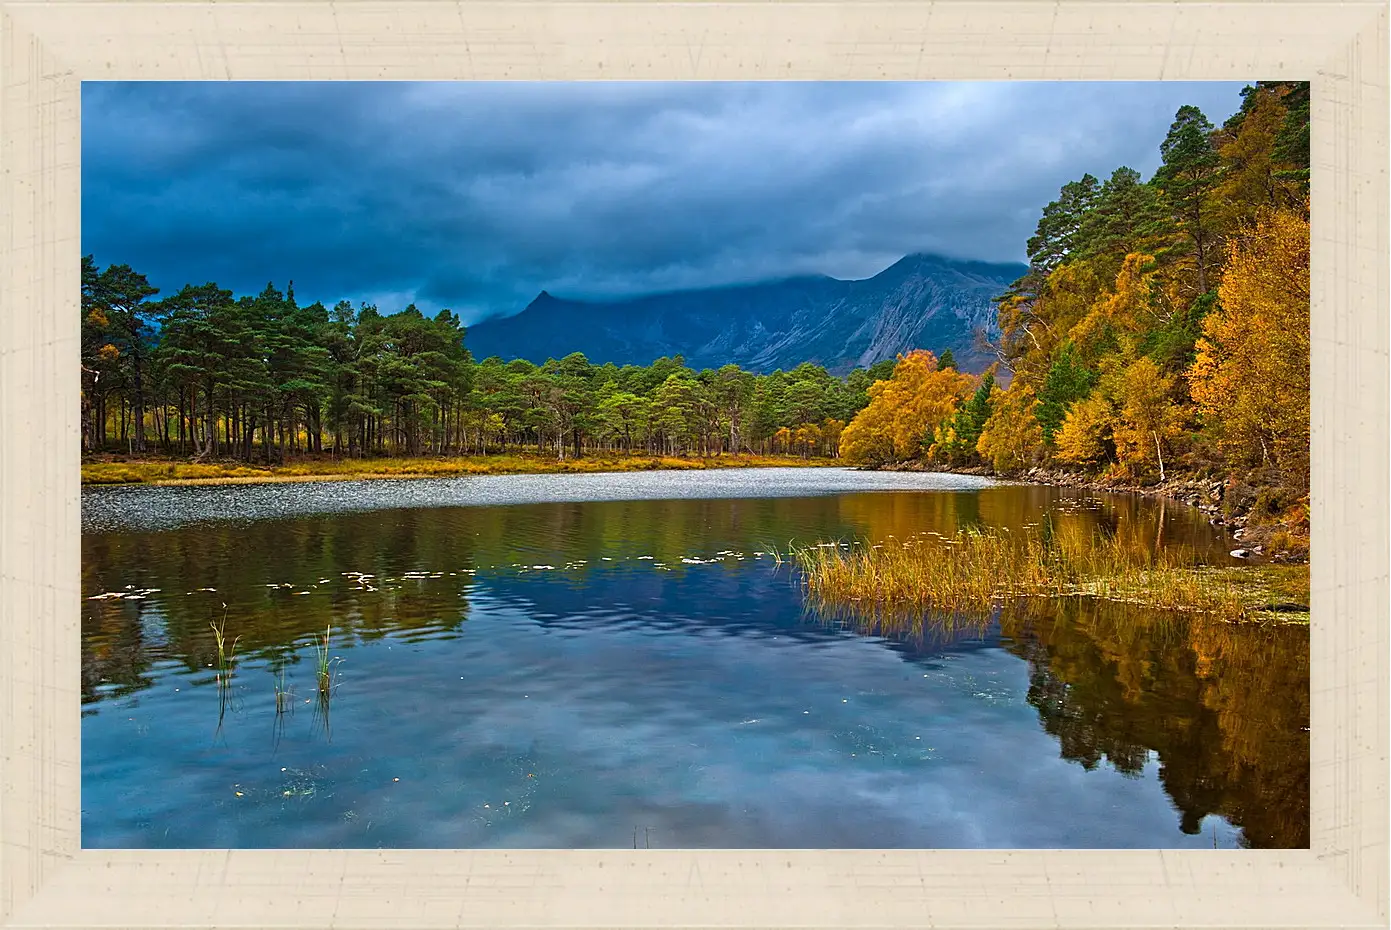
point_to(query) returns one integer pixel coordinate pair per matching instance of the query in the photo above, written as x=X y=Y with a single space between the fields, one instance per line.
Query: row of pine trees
x=203 y=373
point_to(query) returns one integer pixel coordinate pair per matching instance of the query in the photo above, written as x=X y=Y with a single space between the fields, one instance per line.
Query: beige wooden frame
x=47 y=48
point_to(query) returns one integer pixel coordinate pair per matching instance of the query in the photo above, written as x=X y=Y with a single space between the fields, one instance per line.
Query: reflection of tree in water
x=194 y=571
x=1139 y=522
x=245 y=563
x=1224 y=707
x=114 y=653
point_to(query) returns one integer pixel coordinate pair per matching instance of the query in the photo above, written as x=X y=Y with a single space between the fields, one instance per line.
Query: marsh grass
x=324 y=664
x=226 y=662
x=324 y=677
x=978 y=569
x=328 y=469
x=226 y=652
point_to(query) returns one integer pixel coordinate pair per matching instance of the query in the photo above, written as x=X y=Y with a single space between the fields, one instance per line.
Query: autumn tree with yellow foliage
x=1250 y=378
x=1012 y=439
x=1162 y=328
x=904 y=412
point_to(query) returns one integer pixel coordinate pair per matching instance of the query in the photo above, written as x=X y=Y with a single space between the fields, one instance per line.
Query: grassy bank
x=166 y=472
x=978 y=569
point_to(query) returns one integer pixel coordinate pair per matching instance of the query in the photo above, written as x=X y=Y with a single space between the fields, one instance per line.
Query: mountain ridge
x=920 y=301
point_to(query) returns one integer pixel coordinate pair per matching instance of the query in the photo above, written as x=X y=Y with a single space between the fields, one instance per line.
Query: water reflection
x=589 y=662
x=1224 y=708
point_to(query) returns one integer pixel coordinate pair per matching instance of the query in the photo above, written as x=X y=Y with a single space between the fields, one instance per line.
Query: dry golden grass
x=979 y=569
x=164 y=472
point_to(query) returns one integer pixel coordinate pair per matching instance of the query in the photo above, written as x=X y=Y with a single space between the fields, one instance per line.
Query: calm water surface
x=603 y=660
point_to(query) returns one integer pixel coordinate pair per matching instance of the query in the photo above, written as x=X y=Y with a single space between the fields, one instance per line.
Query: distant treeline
x=1162 y=327
x=204 y=373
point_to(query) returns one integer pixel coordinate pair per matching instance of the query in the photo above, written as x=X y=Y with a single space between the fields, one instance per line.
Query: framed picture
x=695 y=464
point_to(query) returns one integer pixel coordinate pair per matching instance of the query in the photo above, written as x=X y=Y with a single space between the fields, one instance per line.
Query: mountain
x=919 y=302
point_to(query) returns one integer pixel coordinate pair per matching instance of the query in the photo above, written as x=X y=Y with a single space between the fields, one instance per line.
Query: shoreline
x=167 y=473
x=1205 y=494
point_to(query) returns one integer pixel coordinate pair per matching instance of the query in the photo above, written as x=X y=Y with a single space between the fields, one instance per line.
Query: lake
x=617 y=660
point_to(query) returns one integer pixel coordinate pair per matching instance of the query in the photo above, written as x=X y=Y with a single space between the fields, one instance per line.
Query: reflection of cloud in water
x=625 y=689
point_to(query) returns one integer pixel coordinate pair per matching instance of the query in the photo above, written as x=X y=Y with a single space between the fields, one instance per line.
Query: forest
x=1162 y=328
x=209 y=375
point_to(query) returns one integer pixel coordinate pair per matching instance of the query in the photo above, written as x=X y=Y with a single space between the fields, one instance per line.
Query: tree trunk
x=183 y=404
x=101 y=421
x=139 y=424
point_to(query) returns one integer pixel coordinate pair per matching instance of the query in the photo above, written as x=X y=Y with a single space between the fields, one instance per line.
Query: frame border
x=47 y=47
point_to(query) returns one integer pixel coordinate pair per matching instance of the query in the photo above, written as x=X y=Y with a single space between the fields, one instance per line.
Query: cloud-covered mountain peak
x=921 y=301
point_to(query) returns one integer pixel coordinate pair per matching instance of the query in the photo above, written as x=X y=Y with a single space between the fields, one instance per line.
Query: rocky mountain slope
x=921 y=301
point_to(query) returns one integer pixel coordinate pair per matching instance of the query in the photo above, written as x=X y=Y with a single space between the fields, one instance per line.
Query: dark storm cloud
x=475 y=196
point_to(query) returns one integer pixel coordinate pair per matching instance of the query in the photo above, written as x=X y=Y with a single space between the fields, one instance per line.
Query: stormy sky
x=475 y=196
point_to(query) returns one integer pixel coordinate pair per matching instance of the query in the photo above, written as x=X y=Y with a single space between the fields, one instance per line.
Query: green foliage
x=1186 y=180
x=261 y=378
x=956 y=441
x=1063 y=220
x=1123 y=210
x=1171 y=344
x=1068 y=381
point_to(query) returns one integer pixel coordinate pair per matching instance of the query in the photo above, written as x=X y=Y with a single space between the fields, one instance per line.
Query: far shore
x=169 y=472
x=1209 y=494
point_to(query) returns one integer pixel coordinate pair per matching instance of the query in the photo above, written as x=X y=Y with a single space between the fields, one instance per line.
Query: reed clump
x=324 y=664
x=979 y=569
x=226 y=652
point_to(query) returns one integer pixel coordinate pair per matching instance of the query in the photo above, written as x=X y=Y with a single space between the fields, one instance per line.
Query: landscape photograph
x=695 y=465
